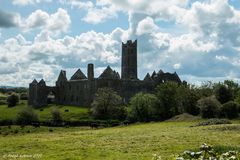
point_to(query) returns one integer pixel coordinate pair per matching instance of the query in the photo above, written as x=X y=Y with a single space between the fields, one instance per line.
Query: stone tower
x=129 y=60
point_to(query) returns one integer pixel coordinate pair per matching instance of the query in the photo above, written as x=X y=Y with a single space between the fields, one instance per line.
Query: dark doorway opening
x=51 y=98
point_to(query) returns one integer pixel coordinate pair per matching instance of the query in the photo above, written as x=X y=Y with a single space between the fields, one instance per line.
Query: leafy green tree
x=223 y=93
x=169 y=99
x=107 y=104
x=229 y=110
x=26 y=116
x=206 y=89
x=209 y=107
x=190 y=96
x=237 y=99
x=12 y=100
x=143 y=107
x=233 y=86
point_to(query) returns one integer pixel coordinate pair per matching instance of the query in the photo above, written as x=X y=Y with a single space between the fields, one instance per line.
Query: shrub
x=5 y=122
x=214 y=121
x=26 y=116
x=23 y=96
x=208 y=152
x=143 y=107
x=56 y=115
x=15 y=131
x=5 y=133
x=3 y=102
x=229 y=110
x=209 y=107
x=12 y=100
x=107 y=104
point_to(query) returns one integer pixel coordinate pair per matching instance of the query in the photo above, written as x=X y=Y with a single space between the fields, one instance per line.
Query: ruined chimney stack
x=90 y=72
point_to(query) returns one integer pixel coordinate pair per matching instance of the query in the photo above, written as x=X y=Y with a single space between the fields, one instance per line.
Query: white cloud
x=95 y=15
x=78 y=4
x=212 y=30
x=157 y=9
x=177 y=66
x=102 y=10
x=28 y=2
x=221 y=58
x=146 y=26
x=97 y=12
x=57 y=22
x=215 y=20
x=22 y=2
x=44 y=57
x=38 y=18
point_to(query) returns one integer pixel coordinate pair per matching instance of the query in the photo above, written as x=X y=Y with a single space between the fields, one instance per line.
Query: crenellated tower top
x=129 y=60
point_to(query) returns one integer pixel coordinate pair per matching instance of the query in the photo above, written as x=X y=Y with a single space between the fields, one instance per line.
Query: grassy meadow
x=74 y=113
x=135 y=141
x=138 y=141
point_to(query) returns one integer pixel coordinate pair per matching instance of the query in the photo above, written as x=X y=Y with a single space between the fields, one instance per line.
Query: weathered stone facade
x=80 y=90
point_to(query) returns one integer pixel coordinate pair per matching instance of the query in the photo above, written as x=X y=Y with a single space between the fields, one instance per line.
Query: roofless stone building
x=80 y=89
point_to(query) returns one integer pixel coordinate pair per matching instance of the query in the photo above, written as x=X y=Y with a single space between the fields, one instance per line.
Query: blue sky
x=199 y=39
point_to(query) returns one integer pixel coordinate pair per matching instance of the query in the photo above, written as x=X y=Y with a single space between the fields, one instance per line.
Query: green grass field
x=74 y=113
x=139 y=141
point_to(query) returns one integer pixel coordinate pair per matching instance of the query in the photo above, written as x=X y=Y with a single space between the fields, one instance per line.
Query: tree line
x=210 y=100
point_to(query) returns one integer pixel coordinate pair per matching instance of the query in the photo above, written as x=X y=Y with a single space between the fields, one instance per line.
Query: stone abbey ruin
x=80 y=89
